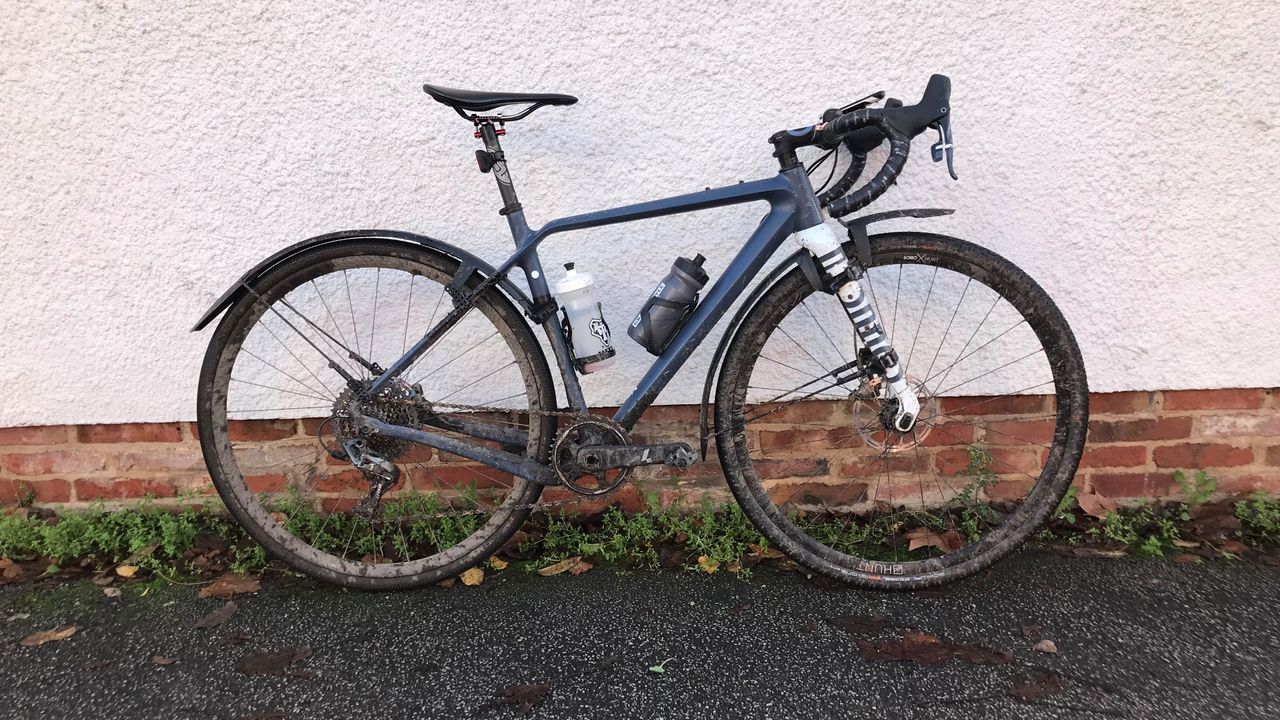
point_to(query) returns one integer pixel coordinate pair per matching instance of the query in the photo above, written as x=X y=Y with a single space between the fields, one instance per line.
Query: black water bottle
x=670 y=305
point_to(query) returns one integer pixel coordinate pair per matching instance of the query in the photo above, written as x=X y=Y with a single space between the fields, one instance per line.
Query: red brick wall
x=1136 y=441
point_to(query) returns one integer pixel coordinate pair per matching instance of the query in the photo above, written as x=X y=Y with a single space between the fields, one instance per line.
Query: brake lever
x=944 y=146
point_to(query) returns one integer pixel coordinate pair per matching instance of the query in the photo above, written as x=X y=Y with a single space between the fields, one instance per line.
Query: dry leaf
x=497 y=563
x=162 y=660
x=39 y=638
x=1098 y=553
x=230 y=585
x=1188 y=544
x=733 y=567
x=126 y=571
x=217 y=617
x=276 y=662
x=948 y=541
x=927 y=649
x=111 y=592
x=1095 y=504
x=764 y=552
x=1187 y=559
x=1235 y=547
x=472 y=577
x=566 y=565
x=525 y=697
x=9 y=569
x=708 y=565
x=447 y=582
x=1046 y=646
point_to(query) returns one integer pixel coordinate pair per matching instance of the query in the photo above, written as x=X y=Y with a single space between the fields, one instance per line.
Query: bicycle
x=846 y=456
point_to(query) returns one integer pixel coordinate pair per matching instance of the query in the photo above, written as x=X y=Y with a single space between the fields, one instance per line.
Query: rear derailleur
x=381 y=474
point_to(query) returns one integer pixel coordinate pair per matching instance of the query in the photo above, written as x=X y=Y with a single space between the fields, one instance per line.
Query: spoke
x=473 y=382
x=408 y=313
x=804 y=304
x=352 y=307
x=789 y=404
x=271 y=387
x=967 y=342
x=979 y=377
x=948 y=330
x=897 y=294
x=299 y=407
x=455 y=357
x=992 y=399
x=979 y=424
x=337 y=368
x=282 y=372
x=373 y=325
x=907 y=368
x=289 y=350
x=332 y=319
x=787 y=392
x=802 y=349
x=504 y=399
x=789 y=367
x=993 y=458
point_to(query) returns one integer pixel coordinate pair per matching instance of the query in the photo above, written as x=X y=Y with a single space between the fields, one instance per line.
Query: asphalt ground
x=1134 y=638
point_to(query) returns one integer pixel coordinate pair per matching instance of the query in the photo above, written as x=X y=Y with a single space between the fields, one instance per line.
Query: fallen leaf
x=733 y=567
x=447 y=582
x=926 y=649
x=525 y=697
x=276 y=662
x=860 y=625
x=1187 y=559
x=1188 y=544
x=217 y=617
x=1032 y=633
x=472 y=577
x=661 y=667
x=1037 y=687
x=948 y=541
x=1046 y=646
x=1095 y=504
x=39 y=638
x=9 y=569
x=497 y=563
x=673 y=557
x=238 y=637
x=162 y=660
x=230 y=585
x=566 y=565
x=1097 y=553
x=580 y=567
x=764 y=552
x=111 y=592
x=127 y=571
x=682 y=537
x=102 y=577
x=1235 y=547
x=708 y=565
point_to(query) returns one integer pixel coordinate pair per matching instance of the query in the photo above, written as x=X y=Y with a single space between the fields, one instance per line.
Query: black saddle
x=475 y=100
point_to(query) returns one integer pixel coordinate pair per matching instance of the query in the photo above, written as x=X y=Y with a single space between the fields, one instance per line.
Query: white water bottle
x=589 y=335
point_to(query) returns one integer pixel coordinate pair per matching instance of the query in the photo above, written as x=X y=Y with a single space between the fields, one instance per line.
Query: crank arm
x=595 y=458
x=518 y=465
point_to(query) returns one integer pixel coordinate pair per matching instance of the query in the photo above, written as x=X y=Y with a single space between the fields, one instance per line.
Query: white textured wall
x=1125 y=153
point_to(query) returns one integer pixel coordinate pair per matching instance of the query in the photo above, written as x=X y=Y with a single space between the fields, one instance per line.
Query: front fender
x=351 y=236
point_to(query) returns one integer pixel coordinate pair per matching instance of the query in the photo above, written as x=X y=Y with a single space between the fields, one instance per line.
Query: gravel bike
x=895 y=410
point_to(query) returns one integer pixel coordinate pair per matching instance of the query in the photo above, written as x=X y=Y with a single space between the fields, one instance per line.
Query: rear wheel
x=279 y=443
x=811 y=454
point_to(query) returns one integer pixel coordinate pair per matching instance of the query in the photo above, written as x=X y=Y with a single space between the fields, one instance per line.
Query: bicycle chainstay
x=539 y=506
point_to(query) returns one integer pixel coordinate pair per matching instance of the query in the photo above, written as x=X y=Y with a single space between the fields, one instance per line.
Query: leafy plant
x=1198 y=489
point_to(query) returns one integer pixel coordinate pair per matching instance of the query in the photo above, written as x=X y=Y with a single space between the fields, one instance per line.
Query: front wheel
x=812 y=456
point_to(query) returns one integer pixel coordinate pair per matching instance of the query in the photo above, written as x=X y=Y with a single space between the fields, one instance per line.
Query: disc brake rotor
x=873 y=415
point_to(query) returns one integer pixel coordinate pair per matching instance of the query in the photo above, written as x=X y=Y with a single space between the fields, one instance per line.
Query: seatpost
x=491 y=158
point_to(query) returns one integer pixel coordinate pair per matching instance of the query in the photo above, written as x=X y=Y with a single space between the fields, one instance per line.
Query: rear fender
x=464 y=258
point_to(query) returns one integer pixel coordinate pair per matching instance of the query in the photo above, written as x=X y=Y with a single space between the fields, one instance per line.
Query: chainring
x=581 y=434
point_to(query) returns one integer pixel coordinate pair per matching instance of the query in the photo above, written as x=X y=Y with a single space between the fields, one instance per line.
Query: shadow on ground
x=1140 y=639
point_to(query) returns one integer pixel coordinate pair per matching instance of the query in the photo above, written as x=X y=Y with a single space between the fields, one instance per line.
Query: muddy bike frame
x=792 y=206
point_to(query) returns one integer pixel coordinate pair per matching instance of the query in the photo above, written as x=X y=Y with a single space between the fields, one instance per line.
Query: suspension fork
x=822 y=243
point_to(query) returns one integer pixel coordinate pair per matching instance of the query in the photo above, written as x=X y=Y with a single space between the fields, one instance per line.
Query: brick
x=804 y=440
x=273 y=483
x=1165 y=428
x=806 y=467
x=875 y=466
x=1132 y=485
x=1228 y=399
x=1121 y=403
x=35 y=435
x=993 y=405
x=1018 y=432
x=261 y=430
x=178 y=457
x=54 y=462
x=1201 y=455
x=1214 y=426
x=687 y=414
x=814 y=493
x=131 y=432
x=1273 y=455
x=1111 y=456
x=13 y=492
x=1009 y=489
x=457 y=477
x=123 y=489
x=800 y=413
x=1249 y=484
x=955 y=461
x=949 y=434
